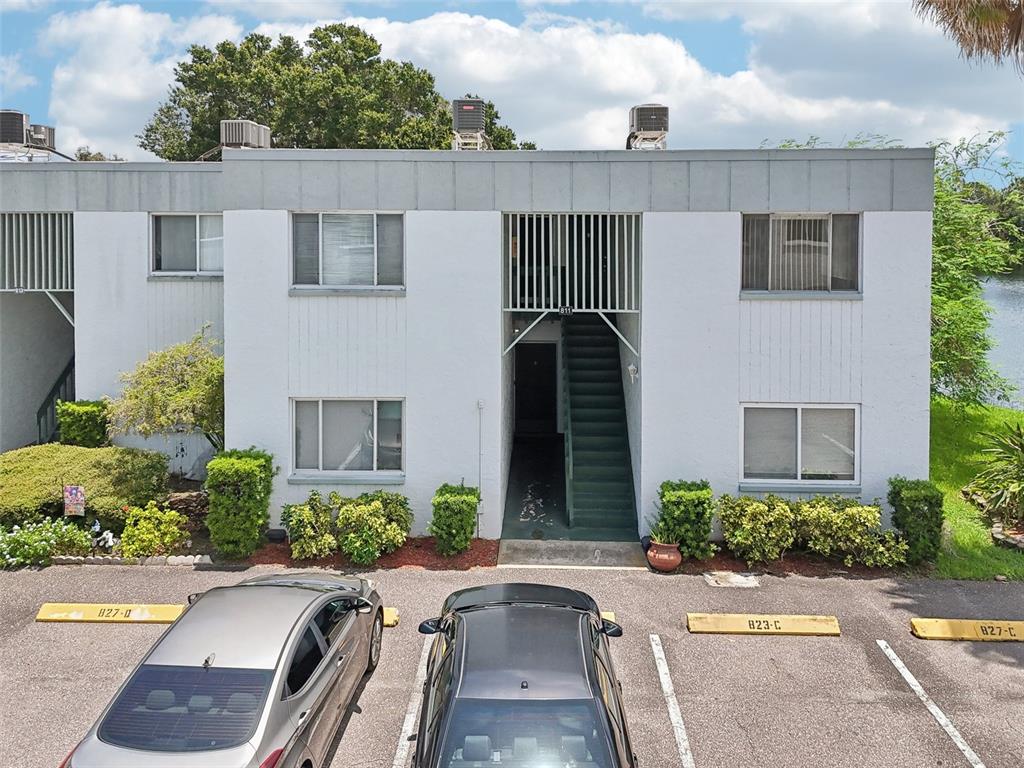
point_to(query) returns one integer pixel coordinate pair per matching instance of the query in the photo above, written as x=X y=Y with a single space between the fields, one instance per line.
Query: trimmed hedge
x=395 y=507
x=83 y=422
x=115 y=479
x=833 y=526
x=309 y=528
x=365 y=533
x=454 y=518
x=687 y=510
x=917 y=513
x=153 y=531
x=757 y=530
x=239 y=483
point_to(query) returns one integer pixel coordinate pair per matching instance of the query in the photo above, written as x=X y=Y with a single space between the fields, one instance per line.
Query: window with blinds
x=801 y=252
x=796 y=442
x=348 y=435
x=186 y=243
x=348 y=249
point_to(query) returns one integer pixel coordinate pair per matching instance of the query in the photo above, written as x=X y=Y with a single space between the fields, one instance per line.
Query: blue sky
x=562 y=73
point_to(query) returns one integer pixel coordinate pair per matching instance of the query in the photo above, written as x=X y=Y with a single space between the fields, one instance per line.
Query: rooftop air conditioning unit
x=468 y=115
x=41 y=136
x=648 y=127
x=244 y=133
x=13 y=127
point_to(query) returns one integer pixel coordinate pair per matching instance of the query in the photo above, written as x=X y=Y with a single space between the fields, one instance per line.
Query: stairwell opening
x=571 y=288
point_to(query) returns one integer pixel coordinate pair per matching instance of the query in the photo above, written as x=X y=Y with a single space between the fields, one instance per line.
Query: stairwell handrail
x=570 y=506
x=46 y=416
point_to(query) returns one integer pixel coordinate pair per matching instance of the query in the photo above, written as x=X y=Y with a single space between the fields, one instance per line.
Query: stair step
x=599 y=472
x=606 y=364
x=603 y=400
x=584 y=414
x=592 y=340
x=592 y=353
x=607 y=458
x=599 y=429
x=599 y=442
x=606 y=387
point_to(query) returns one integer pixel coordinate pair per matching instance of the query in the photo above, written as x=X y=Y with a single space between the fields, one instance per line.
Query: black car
x=520 y=675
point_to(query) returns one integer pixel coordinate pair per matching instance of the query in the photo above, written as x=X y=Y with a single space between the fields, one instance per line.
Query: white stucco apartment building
x=401 y=319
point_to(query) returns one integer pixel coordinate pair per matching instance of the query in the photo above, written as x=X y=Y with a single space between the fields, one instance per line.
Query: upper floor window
x=801 y=252
x=188 y=243
x=798 y=442
x=348 y=249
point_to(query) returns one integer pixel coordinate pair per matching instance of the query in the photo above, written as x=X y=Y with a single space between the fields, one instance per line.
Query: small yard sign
x=74 y=501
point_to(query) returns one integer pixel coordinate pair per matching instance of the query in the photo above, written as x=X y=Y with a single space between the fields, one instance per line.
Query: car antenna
x=208 y=661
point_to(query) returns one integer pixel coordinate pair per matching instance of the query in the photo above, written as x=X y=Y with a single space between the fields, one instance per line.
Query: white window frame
x=182 y=272
x=810 y=482
x=320 y=285
x=809 y=215
x=343 y=473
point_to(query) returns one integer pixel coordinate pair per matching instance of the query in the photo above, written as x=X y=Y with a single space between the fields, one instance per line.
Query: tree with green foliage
x=334 y=91
x=178 y=390
x=969 y=239
x=85 y=154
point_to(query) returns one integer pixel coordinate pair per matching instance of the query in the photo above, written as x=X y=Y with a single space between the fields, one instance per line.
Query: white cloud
x=12 y=77
x=283 y=9
x=7 y=6
x=118 y=65
x=569 y=83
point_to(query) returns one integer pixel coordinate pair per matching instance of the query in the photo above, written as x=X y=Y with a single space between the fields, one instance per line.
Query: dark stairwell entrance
x=596 y=504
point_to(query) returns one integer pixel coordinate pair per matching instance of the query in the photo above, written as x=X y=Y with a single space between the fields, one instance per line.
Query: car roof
x=244 y=626
x=505 y=645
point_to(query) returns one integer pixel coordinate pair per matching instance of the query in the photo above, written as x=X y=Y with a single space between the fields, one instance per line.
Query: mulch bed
x=793 y=564
x=415 y=553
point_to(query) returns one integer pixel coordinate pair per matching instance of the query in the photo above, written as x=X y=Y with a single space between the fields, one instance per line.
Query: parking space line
x=402 y=751
x=938 y=714
x=678 y=728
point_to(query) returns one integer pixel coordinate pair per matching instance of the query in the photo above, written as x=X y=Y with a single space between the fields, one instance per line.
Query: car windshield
x=525 y=734
x=186 y=709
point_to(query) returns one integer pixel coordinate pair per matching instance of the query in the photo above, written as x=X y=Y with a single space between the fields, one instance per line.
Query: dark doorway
x=536 y=388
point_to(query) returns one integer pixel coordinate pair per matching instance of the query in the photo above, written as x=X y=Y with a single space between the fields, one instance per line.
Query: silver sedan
x=257 y=675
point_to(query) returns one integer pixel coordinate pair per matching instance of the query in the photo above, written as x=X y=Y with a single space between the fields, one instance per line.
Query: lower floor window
x=799 y=442
x=348 y=435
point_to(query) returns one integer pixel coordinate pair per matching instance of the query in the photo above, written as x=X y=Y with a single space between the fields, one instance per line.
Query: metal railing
x=46 y=416
x=570 y=506
x=37 y=252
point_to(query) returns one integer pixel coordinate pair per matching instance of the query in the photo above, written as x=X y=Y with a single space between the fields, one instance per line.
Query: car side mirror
x=194 y=596
x=610 y=628
x=362 y=605
x=430 y=627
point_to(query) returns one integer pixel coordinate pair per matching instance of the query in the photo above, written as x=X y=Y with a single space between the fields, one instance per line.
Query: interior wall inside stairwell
x=36 y=343
x=629 y=326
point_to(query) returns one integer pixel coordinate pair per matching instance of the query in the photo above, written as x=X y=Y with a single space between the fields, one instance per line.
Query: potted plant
x=663 y=553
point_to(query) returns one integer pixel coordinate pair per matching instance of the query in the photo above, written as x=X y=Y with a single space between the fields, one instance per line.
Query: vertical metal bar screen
x=36 y=252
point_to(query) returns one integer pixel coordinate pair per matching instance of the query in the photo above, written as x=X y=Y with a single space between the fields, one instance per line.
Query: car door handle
x=339 y=660
x=302 y=715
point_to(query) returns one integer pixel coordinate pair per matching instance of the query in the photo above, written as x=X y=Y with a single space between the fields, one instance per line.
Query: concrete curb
x=177 y=560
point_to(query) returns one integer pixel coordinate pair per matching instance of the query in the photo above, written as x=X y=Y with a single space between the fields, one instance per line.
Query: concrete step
x=599 y=552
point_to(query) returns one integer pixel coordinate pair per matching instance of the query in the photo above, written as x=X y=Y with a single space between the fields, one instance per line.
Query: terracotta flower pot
x=664 y=557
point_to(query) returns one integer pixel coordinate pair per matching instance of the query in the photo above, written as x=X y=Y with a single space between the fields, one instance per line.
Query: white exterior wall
x=122 y=314
x=36 y=342
x=689 y=365
x=437 y=346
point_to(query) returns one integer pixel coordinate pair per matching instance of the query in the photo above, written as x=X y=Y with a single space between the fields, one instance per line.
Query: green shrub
x=1000 y=485
x=115 y=479
x=454 y=518
x=365 y=533
x=153 y=531
x=757 y=530
x=36 y=543
x=83 y=422
x=239 y=484
x=834 y=526
x=917 y=513
x=396 y=507
x=309 y=528
x=687 y=511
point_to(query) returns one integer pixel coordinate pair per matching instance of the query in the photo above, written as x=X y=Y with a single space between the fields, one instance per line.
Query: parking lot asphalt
x=743 y=700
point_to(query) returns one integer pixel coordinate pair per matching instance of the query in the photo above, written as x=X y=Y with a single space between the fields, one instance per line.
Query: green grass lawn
x=968 y=551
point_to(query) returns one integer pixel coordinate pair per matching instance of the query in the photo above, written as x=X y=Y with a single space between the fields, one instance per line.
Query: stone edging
x=155 y=560
x=1010 y=540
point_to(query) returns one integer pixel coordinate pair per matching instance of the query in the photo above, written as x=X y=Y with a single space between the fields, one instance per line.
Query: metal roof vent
x=42 y=136
x=648 y=127
x=244 y=133
x=13 y=127
x=468 y=124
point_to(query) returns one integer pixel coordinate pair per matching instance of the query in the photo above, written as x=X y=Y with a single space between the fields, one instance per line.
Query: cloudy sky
x=562 y=73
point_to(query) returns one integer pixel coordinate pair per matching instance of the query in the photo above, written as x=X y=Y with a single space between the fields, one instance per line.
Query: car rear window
x=186 y=709
x=525 y=734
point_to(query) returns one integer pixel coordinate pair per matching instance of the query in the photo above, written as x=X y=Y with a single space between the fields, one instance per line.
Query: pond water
x=1005 y=294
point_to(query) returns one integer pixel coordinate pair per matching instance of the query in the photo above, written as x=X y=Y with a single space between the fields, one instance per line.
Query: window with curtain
x=801 y=252
x=348 y=249
x=188 y=243
x=799 y=443
x=348 y=435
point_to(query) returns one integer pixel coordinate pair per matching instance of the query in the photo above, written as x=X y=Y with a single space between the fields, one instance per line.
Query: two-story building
x=588 y=323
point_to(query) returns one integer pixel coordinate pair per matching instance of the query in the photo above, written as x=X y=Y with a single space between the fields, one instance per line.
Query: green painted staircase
x=599 y=474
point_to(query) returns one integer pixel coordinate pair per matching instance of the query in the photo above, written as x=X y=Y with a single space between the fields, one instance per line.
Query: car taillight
x=272 y=759
x=66 y=762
